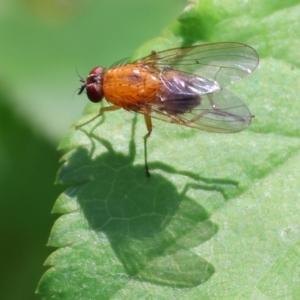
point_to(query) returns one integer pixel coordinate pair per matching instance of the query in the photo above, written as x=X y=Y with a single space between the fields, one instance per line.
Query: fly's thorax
x=131 y=85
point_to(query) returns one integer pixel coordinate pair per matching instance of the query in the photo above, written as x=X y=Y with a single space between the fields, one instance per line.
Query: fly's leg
x=177 y=120
x=213 y=105
x=214 y=110
x=197 y=117
x=218 y=112
x=211 y=101
x=148 y=122
x=101 y=111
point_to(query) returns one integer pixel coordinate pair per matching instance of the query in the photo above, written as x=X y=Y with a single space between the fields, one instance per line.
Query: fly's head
x=92 y=85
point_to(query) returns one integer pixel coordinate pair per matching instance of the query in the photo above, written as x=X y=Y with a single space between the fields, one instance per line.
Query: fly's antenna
x=82 y=80
x=81 y=89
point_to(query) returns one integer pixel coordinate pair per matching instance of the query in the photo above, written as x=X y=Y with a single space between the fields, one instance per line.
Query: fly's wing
x=221 y=112
x=218 y=64
x=192 y=80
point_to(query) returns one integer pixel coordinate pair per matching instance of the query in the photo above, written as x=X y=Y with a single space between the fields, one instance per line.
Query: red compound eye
x=93 y=85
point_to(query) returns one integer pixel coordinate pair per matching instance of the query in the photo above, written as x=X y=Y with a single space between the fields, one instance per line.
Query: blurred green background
x=43 y=43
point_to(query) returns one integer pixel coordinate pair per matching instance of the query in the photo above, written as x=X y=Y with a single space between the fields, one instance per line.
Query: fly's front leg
x=148 y=122
x=101 y=111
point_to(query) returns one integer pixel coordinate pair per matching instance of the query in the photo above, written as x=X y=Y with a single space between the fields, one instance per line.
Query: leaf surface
x=219 y=216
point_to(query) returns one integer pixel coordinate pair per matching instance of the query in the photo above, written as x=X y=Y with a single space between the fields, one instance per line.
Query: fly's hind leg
x=148 y=122
x=101 y=111
x=178 y=120
x=211 y=101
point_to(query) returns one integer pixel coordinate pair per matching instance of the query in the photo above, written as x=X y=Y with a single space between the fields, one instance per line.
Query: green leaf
x=218 y=218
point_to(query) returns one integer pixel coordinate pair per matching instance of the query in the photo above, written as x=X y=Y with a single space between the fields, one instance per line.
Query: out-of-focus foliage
x=43 y=43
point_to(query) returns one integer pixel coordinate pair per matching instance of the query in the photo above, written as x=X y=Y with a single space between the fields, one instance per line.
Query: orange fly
x=184 y=86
